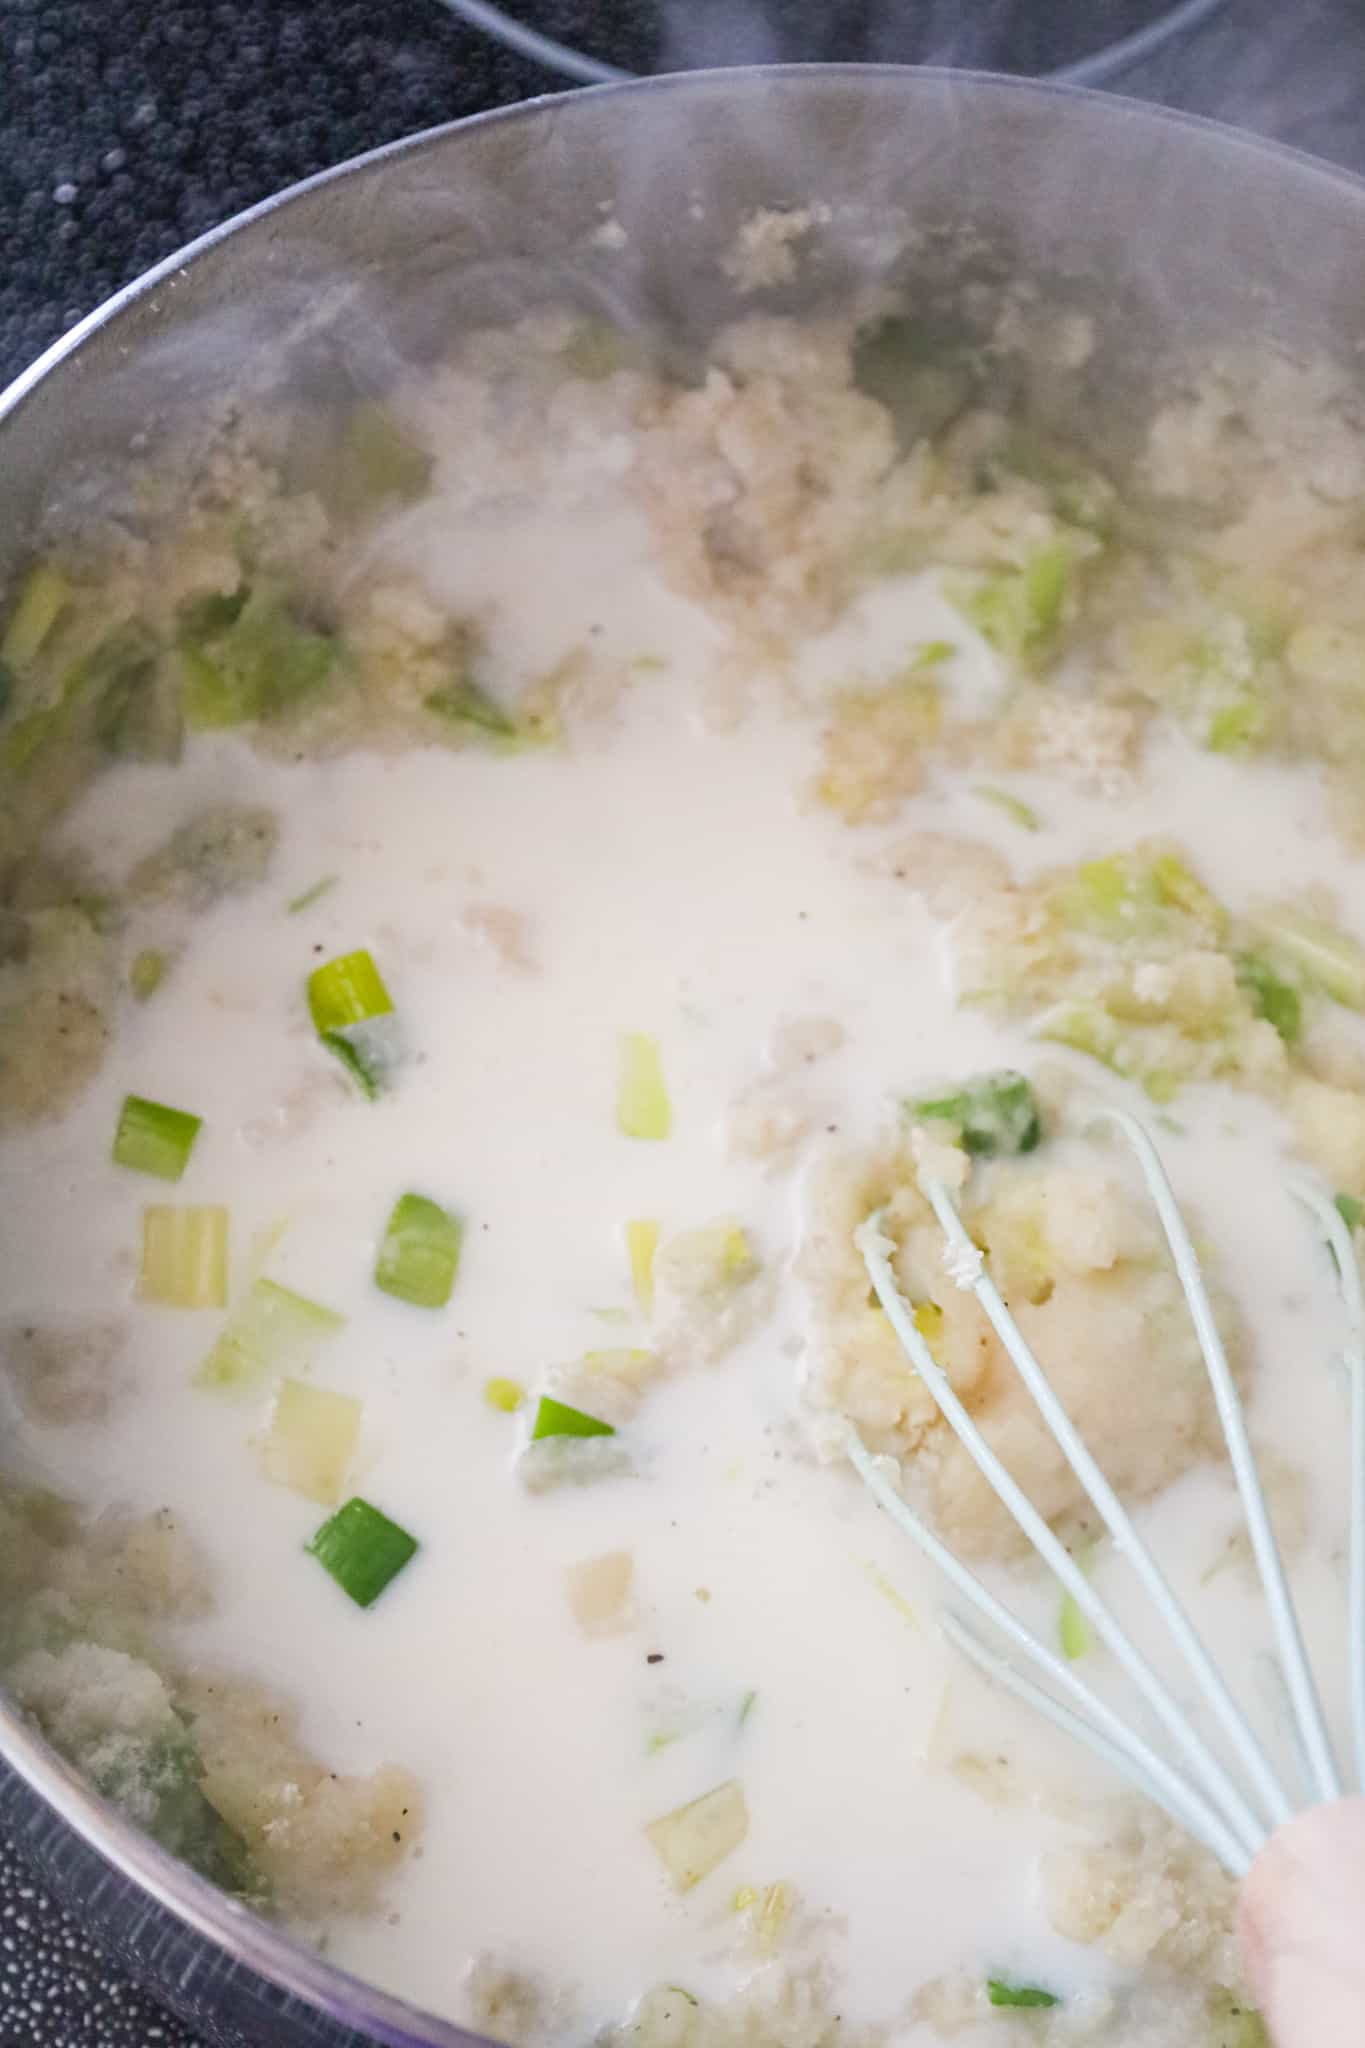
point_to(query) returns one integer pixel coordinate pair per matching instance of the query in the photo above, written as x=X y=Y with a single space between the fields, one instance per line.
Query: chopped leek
x=642 y=1241
x=247 y=656
x=1351 y=1210
x=556 y=1418
x=642 y=1106
x=146 y=974
x=377 y=460
x=309 y=897
x=504 y=1395
x=273 y=1331
x=1073 y=1630
x=693 y=1839
x=37 y=608
x=1022 y=1995
x=184 y=1256
x=137 y=713
x=420 y=1254
x=363 y=1550
x=1014 y=807
x=464 y=703
x=1325 y=956
x=1018 y=609
x=345 y=999
x=1133 y=895
x=994 y=1113
x=1276 y=999
x=154 y=1139
x=311 y=1440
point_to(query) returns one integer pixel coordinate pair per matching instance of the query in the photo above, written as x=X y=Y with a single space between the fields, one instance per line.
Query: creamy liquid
x=672 y=881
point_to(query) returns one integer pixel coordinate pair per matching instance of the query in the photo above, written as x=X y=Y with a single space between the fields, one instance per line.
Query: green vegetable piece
x=1134 y=895
x=363 y=1550
x=184 y=1256
x=309 y=897
x=1025 y=1996
x=420 y=1254
x=504 y=1395
x=1276 y=999
x=39 y=605
x=273 y=1331
x=146 y=974
x=248 y=659
x=1235 y=2024
x=136 y=714
x=1073 y=1630
x=1235 y=728
x=464 y=703
x=642 y=1105
x=556 y=1418
x=1019 y=609
x=994 y=1113
x=154 y=1139
x=1351 y=1210
x=1013 y=806
x=346 y=999
x=1325 y=956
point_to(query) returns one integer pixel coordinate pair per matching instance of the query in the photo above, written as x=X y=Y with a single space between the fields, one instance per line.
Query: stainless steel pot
x=1173 y=233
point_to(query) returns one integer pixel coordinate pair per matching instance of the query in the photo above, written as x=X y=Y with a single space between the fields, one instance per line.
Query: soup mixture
x=494 y=897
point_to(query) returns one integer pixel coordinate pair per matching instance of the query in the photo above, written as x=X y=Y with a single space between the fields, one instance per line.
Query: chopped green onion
x=184 y=1256
x=247 y=656
x=1019 y=608
x=274 y=1330
x=146 y=974
x=1013 y=806
x=154 y=1139
x=377 y=460
x=311 y=896
x=1276 y=999
x=642 y=1242
x=311 y=1441
x=420 y=1254
x=1072 y=1629
x=345 y=999
x=1329 y=959
x=464 y=703
x=642 y=1105
x=1023 y=1995
x=556 y=1418
x=504 y=1395
x=994 y=1113
x=363 y=1550
x=1351 y=1210
x=37 y=609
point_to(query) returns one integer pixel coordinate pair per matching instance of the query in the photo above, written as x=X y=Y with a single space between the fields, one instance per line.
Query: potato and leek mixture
x=496 y=889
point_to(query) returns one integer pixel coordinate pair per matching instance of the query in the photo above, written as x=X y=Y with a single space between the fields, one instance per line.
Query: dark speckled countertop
x=128 y=126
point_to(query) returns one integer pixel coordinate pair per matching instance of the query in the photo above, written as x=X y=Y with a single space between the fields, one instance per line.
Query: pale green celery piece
x=1014 y=807
x=557 y=1418
x=274 y=1330
x=124 y=660
x=420 y=1252
x=1086 y=1026
x=137 y=713
x=1276 y=999
x=643 y=1109
x=184 y=1256
x=39 y=605
x=464 y=703
x=992 y=1113
x=146 y=974
x=1234 y=2024
x=504 y=1395
x=1073 y=1630
x=1018 y=609
x=1236 y=728
x=1326 y=957
x=1351 y=1210
x=1129 y=895
x=309 y=897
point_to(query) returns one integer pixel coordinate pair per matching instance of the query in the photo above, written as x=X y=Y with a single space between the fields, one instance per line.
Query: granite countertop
x=130 y=127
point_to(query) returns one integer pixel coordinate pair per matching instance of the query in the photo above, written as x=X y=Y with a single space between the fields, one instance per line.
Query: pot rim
x=242 y=1937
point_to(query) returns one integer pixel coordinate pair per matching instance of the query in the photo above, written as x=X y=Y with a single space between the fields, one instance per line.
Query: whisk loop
x=1203 y=1797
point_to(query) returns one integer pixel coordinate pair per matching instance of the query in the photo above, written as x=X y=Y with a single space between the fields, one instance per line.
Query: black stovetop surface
x=129 y=126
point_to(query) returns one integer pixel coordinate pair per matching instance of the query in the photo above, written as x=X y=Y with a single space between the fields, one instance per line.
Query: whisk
x=1296 y=1892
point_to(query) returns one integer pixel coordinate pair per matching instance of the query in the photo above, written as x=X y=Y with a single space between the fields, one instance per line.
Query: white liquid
x=671 y=882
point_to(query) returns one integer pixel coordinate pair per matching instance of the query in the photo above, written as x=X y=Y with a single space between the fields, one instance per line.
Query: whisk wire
x=1303 y=1693
x=1274 y=1800
x=1250 y=1830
